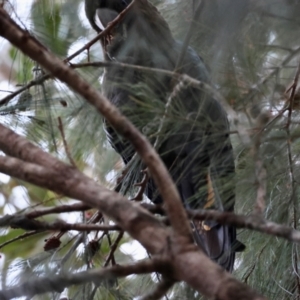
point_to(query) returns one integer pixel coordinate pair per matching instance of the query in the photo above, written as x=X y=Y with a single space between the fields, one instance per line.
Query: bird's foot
x=201 y=227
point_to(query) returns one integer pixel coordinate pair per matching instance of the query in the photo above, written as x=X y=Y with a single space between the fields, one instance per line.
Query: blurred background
x=252 y=49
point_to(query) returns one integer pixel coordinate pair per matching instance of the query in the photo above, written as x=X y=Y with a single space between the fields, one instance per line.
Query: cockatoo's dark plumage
x=193 y=141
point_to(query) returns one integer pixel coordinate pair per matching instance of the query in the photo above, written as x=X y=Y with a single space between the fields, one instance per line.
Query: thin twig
x=159 y=290
x=17 y=221
x=57 y=210
x=21 y=237
x=248 y=273
x=34 y=82
x=67 y=150
x=113 y=261
x=114 y=248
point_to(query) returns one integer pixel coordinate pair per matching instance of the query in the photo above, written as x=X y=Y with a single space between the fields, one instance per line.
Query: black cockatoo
x=188 y=126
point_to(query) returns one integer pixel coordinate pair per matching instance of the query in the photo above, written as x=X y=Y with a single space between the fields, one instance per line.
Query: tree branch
x=57 y=210
x=19 y=221
x=252 y=222
x=31 y=47
x=207 y=277
x=57 y=283
x=72 y=183
x=140 y=224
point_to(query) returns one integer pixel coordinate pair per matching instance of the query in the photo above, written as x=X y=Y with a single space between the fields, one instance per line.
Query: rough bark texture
x=27 y=162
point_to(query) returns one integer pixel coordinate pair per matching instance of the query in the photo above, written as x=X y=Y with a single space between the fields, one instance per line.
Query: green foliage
x=252 y=49
x=22 y=66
